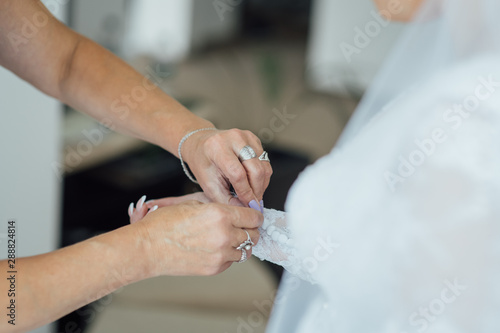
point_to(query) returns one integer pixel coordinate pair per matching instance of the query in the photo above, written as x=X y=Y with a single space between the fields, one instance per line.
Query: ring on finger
x=264 y=157
x=246 y=245
x=246 y=153
x=243 y=256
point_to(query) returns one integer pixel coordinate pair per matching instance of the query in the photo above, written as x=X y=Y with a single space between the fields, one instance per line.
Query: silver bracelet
x=184 y=168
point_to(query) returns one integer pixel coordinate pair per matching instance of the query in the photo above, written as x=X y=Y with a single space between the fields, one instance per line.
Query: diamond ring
x=246 y=153
x=264 y=157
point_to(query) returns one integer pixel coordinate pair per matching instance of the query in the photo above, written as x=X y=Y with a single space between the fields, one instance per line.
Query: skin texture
x=77 y=71
x=186 y=239
x=400 y=10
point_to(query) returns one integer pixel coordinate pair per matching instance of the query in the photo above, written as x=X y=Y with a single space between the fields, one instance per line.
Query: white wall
x=335 y=24
x=29 y=143
x=168 y=30
x=159 y=28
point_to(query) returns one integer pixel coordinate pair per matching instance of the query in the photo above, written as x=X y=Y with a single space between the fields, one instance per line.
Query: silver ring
x=246 y=245
x=246 y=153
x=264 y=157
x=243 y=256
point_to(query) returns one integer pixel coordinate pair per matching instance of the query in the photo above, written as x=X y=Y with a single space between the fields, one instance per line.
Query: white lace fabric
x=279 y=251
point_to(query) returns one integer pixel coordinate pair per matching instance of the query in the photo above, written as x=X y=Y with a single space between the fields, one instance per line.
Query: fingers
x=246 y=218
x=236 y=175
x=141 y=210
x=249 y=179
x=258 y=172
x=240 y=236
x=259 y=175
x=236 y=255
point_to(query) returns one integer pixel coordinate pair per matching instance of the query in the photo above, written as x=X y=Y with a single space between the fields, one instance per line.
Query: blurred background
x=291 y=71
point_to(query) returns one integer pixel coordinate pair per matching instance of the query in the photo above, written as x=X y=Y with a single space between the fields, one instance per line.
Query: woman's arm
x=48 y=286
x=60 y=62
x=188 y=239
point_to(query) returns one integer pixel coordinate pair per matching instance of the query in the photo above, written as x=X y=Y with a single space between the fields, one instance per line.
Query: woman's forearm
x=103 y=86
x=84 y=75
x=51 y=285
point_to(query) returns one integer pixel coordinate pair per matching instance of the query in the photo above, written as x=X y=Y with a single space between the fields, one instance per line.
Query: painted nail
x=254 y=205
x=262 y=206
x=155 y=207
x=141 y=202
x=130 y=209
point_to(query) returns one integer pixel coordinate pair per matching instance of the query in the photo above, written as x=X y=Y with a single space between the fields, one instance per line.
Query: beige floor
x=237 y=300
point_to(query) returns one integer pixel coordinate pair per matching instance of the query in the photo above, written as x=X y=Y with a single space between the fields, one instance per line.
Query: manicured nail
x=149 y=202
x=155 y=207
x=254 y=205
x=130 y=209
x=141 y=202
x=262 y=206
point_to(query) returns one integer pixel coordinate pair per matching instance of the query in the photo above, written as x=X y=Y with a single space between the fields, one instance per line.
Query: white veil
x=410 y=194
x=443 y=34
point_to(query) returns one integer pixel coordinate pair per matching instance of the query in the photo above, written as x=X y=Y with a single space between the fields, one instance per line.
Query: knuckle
x=235 y=132
x=217 y=212
x=218 y=259
x=268 y=171
x=223 y=240
x=254 y=138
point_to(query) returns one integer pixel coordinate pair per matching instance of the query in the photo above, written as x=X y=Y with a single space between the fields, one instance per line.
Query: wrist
x=194 y=142
x=127 y=251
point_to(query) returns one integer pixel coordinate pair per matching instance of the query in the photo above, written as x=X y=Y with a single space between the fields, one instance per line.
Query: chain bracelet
x=184 y=168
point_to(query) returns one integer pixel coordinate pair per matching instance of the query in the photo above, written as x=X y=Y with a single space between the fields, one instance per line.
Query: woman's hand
x=213 y=158
x=192 y=237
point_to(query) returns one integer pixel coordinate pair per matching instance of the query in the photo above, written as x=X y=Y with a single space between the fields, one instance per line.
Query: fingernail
x=262 y=206
x=130 y=209
x=254 y=205
x=141 y=202
x=155 y=207
x=149 y=202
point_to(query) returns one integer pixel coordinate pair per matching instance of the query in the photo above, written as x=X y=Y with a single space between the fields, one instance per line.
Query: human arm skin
x=188 y=239
x=84 y=75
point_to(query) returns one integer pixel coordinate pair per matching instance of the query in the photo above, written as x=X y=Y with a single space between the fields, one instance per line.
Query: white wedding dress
x=398 y=228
